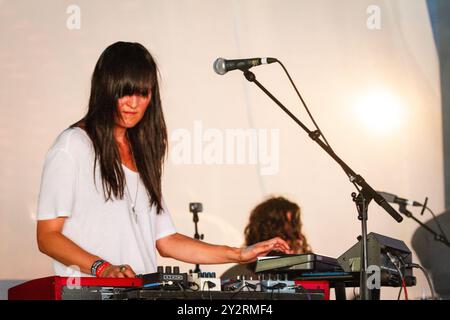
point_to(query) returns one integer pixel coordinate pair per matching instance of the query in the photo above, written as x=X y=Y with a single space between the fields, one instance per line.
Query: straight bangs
x=135 y=78
x=127 y=69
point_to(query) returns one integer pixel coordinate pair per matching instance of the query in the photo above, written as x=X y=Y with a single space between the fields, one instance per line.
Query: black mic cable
x=318 y=133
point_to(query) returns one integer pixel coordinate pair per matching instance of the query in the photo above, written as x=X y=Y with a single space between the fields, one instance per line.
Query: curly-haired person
x=275 y=217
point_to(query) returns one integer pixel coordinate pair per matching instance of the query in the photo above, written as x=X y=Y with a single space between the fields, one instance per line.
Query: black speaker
x=379 y=248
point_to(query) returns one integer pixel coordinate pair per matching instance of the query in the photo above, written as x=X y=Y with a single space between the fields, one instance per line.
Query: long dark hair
x=126 y=68
x=270 y=219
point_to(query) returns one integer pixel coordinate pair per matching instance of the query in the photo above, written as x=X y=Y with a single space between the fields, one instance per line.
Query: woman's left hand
x=249 y=254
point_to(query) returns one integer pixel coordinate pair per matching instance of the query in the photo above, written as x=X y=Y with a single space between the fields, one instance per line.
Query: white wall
x=334 y=58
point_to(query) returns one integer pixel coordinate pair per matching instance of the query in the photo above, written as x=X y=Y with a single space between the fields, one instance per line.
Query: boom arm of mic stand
x=438 y=237
x=315 y=135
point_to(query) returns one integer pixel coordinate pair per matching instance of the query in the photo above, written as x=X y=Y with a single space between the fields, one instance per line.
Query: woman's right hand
x=121 y=271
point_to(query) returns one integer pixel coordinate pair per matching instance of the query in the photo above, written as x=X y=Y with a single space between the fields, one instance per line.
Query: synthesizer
x=297 y=262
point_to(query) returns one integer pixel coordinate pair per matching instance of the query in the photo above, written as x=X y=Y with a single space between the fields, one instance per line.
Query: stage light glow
x=379 y=111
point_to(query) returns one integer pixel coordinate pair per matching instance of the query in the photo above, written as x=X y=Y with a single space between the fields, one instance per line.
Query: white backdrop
x=344 y=57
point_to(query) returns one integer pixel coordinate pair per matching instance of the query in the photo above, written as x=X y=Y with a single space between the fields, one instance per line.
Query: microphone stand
x=195 y=208
x=366 y=193
x=438 y=237
x=197 y=236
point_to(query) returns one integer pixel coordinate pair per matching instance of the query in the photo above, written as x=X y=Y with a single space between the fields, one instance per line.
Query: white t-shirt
x=109 y=229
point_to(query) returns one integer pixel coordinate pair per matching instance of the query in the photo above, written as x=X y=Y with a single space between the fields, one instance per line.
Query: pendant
x=134 y=214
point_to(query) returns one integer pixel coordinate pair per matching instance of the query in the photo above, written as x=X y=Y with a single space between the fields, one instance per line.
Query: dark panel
x=439 y=11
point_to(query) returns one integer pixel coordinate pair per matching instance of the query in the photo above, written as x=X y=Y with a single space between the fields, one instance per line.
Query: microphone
x=222 y=66
x=389 y=197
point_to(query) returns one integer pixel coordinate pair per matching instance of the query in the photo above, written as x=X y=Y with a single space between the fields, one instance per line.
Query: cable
x=403 y=283
x=183 y=289
x=304 y=104
x=303 y=290
x=251 y=286
x=152 y=285
x=430 y=283
x=239 y=290
x=438 y=224
x=277 y=286
x=181 y=286
x=402 y=278
x=210 y=285
x=320 y=133
x=427 y=276
x=191 y=284
x=354 y=294
x=400 y=292
x=404 y=286
x=309 y=113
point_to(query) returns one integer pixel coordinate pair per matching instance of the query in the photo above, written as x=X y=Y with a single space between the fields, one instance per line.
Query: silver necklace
x=133 y=202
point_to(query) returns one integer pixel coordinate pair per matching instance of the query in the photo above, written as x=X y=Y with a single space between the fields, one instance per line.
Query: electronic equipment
x=297 y=263
x=90 y=288
x=140 y=294
x=204 y=281
x=381 y=250
x=251 y=285
x=240 y=283
x=276 y=283
x=278 y=286
x=167 y=278
x=71 y=288
x=314 y=286
x=195 y=207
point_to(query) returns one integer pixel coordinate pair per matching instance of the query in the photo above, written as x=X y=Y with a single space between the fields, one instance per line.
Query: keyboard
x=308 y=262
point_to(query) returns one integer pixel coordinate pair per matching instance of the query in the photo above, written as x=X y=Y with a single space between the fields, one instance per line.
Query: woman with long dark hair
x=101 y=209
